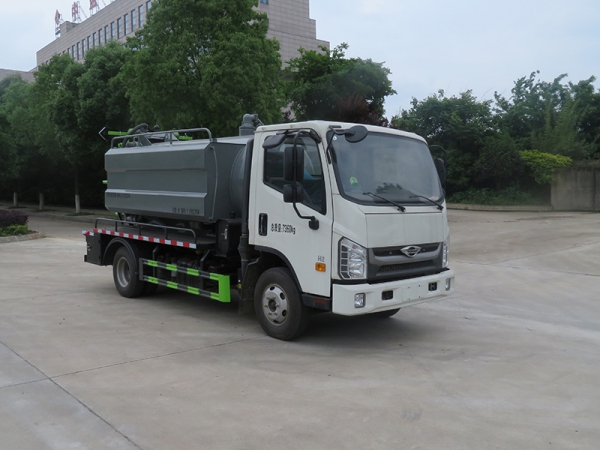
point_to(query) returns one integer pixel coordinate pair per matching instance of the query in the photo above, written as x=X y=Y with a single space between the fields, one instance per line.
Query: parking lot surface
x=509 y=361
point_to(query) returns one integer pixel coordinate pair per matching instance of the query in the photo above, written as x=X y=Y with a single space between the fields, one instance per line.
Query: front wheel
x=278 y=305
x=125 y=274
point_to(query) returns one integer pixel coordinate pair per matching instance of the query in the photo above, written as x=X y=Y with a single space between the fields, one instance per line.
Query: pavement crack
x=24 y=383
x=154 y=357
x=51 y=380
x=96 y=414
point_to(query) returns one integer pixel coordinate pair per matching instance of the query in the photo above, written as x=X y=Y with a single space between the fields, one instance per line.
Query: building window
x=78 y=52
x=83 y=49
x=264 y=2
x=94 y=41
x=127 y=27
x=73 y=51
x=100 y=36
x=69 y=51
x=141 y=16
x=148 y=6
x=89 y=43
x=112 y=30
x=119 y=28
x=134 y=22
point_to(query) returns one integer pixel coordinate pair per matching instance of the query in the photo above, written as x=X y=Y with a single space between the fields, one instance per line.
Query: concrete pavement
x=509 y=361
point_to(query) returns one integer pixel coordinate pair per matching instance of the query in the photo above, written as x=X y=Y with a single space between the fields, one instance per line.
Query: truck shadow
x=324 y=330
x=368 y=332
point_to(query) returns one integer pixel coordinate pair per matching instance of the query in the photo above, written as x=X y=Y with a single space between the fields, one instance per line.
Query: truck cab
x=381 y=239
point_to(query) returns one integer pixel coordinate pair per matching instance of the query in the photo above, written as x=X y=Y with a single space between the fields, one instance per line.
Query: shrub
x=10 y=217
x=14 y=230
x=542 y=164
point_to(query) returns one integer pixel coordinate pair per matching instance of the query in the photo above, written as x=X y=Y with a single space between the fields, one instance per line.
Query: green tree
x=461 y=124
x=73 y=103
x=9 y=168
x=204 y=63
x=499 y=161
x=101 y=102
x=561 y=134
x=587 y=101
x=57 y=88
x=551 y=116
x=531 y=103
x=328 y=86
x=17 y=149
x=102 y=91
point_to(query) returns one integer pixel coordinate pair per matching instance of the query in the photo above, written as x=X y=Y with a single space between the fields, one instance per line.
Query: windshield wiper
x=439 y=205
x=399 y=206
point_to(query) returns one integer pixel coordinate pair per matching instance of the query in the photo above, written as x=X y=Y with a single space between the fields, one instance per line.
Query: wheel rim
x=123 y=272
x=275 y=304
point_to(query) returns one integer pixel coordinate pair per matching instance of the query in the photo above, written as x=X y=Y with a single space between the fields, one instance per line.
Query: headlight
x=353 y=260
x=446 y=252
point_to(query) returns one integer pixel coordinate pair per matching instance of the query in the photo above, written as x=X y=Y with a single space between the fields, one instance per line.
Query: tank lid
x=249 y=124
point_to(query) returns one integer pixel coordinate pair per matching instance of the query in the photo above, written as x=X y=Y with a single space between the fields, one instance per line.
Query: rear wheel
x=125 y=275
x=278 y=305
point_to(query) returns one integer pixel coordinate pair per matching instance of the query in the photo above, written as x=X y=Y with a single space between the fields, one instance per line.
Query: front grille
x=382 y=252
x=404 y=267
x=389 y=263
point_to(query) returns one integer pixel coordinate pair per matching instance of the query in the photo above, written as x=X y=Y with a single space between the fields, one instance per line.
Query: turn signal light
x=320 y=267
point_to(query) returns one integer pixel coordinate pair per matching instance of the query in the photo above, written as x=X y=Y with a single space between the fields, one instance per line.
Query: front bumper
x=403 y=293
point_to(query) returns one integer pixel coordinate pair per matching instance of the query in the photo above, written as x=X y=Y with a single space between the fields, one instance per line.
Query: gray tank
x=198 y=180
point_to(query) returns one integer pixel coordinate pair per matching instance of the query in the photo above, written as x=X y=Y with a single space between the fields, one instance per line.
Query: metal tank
x=155 y=175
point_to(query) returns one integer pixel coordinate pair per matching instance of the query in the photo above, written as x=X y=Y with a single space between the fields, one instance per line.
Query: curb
x=61 y=213
x=90 y=216
x=87 y=218
x=23 y=237
x=506 y=208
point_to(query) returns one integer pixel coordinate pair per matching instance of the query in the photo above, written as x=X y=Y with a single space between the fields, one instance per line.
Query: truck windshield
x=394 y=168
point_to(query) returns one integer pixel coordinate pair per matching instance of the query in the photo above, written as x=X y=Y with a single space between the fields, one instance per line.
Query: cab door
x=276 y=227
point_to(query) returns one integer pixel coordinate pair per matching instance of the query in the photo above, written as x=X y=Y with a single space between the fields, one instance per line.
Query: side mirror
x=440 y=166
x=356 y=133
x=440 y=163
x=293 y=164
x=293 y=193
x=274 y=141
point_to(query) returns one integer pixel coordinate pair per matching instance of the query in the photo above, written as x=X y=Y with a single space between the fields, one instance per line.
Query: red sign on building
x=75 y=12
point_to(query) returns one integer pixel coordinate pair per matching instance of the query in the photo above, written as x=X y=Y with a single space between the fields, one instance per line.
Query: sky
x=459 y=45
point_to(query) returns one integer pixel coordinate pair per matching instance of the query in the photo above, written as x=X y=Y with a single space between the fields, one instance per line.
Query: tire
x=278 y=305
x=384 y=314
x=125 y=274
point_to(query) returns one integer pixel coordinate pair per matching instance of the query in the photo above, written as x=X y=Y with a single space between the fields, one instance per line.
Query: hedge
x=9 y=217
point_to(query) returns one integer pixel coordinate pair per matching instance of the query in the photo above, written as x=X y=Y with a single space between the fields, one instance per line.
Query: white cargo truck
x=286 y=219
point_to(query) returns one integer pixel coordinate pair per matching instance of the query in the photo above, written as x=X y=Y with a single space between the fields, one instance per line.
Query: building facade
x=26 y=76
x=289 y=23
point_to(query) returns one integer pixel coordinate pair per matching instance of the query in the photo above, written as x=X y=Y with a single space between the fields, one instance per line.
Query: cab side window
x=313 y=185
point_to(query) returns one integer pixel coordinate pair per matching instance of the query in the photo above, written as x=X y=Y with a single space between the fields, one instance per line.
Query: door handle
x=263 y=224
